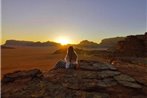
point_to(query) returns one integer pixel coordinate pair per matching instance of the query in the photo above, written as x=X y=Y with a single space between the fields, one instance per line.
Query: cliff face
x=110 y=42
x=133 y=46
x=92 y=80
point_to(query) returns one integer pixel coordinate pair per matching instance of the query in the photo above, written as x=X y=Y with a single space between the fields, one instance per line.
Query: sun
x=63 y=40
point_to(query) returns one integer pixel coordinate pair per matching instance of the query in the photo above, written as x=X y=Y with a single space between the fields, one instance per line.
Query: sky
x=75 y=20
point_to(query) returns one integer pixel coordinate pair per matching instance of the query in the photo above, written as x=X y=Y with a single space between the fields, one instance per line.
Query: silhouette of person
x=70 y=61
x=71 y=58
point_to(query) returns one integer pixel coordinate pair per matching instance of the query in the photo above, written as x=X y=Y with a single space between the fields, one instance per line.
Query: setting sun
x=63 y=40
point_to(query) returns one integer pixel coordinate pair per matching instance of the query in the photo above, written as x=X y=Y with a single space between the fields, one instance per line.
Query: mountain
x=30 y=43
x=110 y=42
x=87 y=44
x=105 y=43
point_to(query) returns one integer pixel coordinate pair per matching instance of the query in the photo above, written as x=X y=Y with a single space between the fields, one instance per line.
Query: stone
x=87 y=67
x=123 y=77
x=106 y=82
x=80 y=84
x=60 y=64
x=100 y=66
x=128 y=81
x=71 y=83
x=111 y=67
x=87 y=74
x=96 y=95
x=88 y=84
x=130 y=84
x=107 y=73
x=10 y=77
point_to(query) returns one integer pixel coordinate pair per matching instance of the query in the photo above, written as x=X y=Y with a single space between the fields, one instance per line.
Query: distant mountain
x=110 y=42
x=30 y=43
x=105 y=43
x=87 y=44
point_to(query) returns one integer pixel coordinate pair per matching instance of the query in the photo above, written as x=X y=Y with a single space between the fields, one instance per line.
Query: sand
x=24 y=58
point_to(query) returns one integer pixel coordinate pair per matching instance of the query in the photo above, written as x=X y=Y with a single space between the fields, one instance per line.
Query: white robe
x=68 y=62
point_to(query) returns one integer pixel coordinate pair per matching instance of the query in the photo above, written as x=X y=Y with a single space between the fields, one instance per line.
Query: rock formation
x=135 y=45
x=105 y=43
x=92 y=80
x=11 y=77
x=110 y=42
x=6 y=47
x=30 y=43
x=87 y=44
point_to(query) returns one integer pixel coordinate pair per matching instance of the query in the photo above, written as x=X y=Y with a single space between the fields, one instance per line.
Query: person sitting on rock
x=70 y=60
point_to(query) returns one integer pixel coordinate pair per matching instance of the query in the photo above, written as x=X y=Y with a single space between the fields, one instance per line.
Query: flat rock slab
x=10 y=77
x=108 y=73
x=86 y=75
x=123 y=77
x=130 y=84
x=111 y=67
x=96 y=66
x=127 y=81
x=106 y=83
x=101 y=66
x=97 y=95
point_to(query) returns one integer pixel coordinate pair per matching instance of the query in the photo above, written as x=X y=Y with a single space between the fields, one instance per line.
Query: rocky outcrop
x=110 y=42
x=133 y=46
x=87 y=44
x=11 y=77
x=92 y=80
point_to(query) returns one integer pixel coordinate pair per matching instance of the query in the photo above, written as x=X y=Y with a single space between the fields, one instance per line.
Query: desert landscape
x=19 y=59
x=73 y=49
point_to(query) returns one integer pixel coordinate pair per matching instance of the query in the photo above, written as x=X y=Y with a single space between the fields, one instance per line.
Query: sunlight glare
x=63 y=40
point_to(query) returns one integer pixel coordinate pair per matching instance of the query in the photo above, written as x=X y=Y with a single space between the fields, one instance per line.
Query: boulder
x=60 y=64
x=10 y=77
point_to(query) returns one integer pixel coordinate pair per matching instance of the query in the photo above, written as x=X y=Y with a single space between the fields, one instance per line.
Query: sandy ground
x=24 y=58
